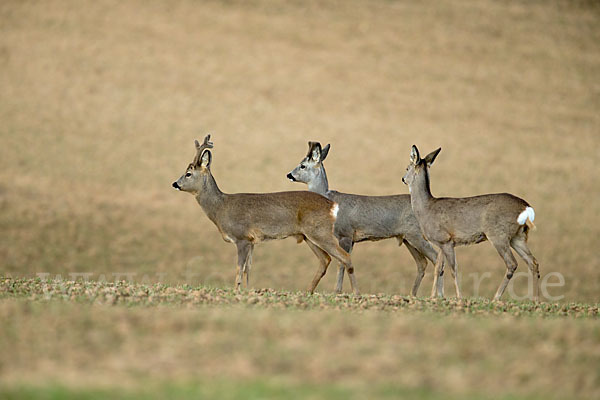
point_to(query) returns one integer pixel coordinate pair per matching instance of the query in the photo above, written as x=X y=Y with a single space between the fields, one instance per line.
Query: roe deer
x=362 y=218
x=249 y=218
x=502 y=218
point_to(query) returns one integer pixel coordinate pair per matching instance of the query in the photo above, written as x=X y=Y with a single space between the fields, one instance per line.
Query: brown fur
x=448 y=222
x=367 y=218
x=250 y=218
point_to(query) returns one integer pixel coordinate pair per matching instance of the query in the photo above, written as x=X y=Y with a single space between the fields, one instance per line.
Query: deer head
x=310 y=166
x=418 y=165
x=197 y=172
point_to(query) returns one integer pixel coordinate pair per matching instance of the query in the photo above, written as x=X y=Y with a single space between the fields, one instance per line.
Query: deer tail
x=527 y=217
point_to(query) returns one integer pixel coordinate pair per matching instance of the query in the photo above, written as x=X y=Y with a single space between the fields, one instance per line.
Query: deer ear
x=315 y=152
x=197 y=143
x=205 y=159
x=414 y=155
x=324 y=152
x=430 y=158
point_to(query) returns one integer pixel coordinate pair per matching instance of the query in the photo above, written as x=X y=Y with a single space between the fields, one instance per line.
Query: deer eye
x=302 y=166
x=188 y=174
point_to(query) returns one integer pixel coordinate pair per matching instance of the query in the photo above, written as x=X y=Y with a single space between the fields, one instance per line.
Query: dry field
x=100 y=102
x=79 y=339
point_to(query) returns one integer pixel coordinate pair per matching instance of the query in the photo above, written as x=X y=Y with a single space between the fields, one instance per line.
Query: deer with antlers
x=246 y=219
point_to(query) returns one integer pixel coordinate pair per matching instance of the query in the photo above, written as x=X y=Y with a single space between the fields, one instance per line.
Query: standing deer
x=362 y=218
x=249 y=218
x=447 y=222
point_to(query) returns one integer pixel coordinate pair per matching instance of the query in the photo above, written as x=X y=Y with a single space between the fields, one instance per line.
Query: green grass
x=231 y=390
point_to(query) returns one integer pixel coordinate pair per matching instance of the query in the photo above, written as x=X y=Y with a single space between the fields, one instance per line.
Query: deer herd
x=331 y=222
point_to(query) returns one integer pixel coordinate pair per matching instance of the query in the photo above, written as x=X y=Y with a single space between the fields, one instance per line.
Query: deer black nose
x=403 y=181
x=176 y=186
x=291 y=177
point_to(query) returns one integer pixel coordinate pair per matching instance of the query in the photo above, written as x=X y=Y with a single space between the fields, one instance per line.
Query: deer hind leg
x=520 y=245
x=346 y=244
x=450 y=255
x=438 y=274
x=421 y=262
x=330 y=246
x=426 y=249
x=324 y=261
x=244 y=248
x=503 y=248
x=247 y=266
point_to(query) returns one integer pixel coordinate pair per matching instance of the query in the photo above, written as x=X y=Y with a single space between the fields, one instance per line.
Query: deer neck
x=319 y=184
x=420 y=192
x=210 y=197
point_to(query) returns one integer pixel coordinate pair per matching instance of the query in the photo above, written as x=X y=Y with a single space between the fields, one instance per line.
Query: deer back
x=463 y=220
x=373 y=217
x=267 y=216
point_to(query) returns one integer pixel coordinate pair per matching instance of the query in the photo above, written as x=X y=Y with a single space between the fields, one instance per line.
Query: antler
x=207 y=144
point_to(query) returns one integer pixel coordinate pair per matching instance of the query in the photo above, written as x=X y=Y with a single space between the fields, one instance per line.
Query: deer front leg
x=437 y=274
x=243 y=250
x=347 y=245
x=450 y=256
x=440 y=285
x=247 y=266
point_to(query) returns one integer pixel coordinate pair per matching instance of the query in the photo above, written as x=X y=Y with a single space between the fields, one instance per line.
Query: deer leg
x=421 y=262
x=426 y=249
x=440 y=282
x=324 y=261
x=503 y=249
x=520 y=246
x=243 y=249
x=331 y=247
x=344 y=257
x=346 y=244
x=247 y=266
x=450 y=255
x=437 y=274
x=353 y=283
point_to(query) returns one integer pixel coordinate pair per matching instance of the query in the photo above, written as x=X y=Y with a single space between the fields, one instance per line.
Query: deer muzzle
x=176 y=186
x=291 y=177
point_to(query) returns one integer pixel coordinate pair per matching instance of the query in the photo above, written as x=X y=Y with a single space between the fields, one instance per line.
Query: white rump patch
x=334 y=210
x=527 y=214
